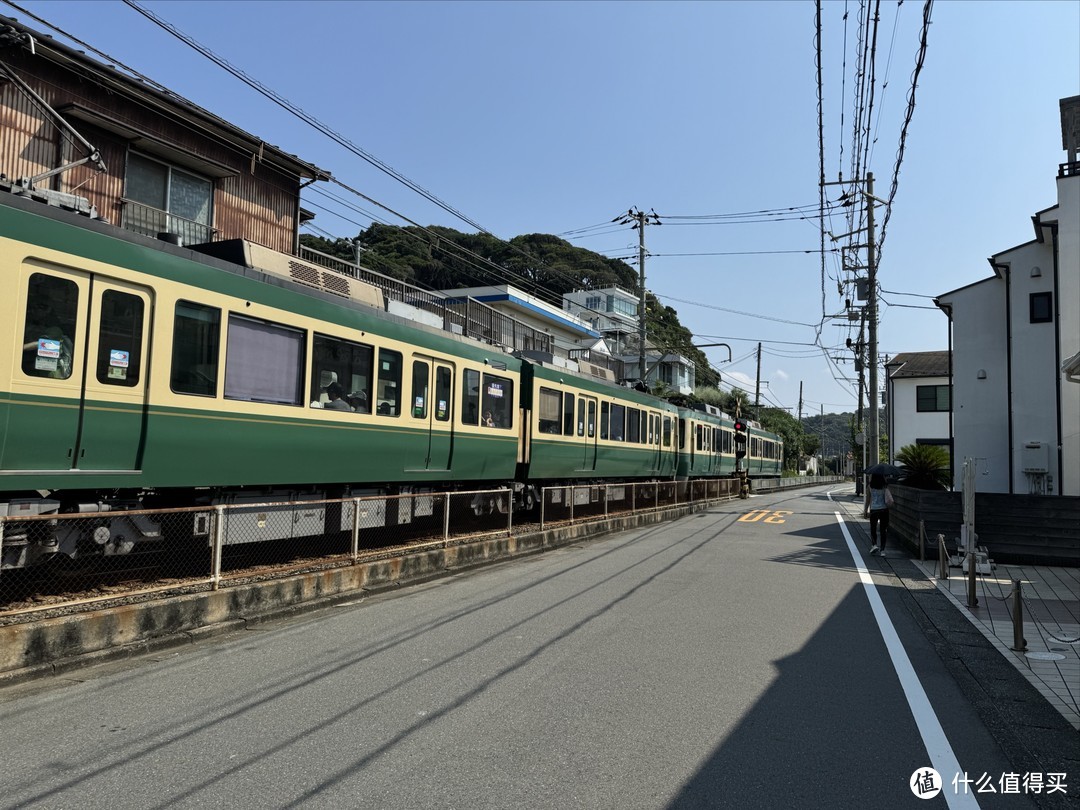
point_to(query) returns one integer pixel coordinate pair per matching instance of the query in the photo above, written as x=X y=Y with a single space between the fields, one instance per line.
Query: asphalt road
x=729 y=659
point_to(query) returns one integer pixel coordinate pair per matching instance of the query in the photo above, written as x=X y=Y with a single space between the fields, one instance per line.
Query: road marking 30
x=765 y=515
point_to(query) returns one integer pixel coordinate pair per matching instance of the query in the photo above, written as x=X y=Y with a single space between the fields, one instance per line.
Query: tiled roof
x=919 y=364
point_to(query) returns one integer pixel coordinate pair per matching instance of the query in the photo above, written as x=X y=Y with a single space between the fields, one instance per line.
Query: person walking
x=876 y=507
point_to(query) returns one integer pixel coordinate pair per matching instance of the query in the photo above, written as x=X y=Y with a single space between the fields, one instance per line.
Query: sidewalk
x=1051 y=610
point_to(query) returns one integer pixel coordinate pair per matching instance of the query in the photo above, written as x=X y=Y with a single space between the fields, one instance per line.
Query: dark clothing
x=879 y=516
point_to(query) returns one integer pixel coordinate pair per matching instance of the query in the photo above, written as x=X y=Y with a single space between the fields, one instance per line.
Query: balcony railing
x=1069 y=169
x=462 y=316
x=151 y=221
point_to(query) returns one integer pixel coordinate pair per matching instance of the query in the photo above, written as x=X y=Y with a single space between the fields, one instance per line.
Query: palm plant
x=926 y=466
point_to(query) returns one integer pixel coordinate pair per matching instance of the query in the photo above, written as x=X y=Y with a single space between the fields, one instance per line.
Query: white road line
x=933 y=736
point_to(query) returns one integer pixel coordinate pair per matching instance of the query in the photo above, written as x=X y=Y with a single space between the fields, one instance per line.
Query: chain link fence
x=60 y=562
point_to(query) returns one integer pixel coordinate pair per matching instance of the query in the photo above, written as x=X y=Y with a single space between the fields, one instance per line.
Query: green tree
x=926 y=466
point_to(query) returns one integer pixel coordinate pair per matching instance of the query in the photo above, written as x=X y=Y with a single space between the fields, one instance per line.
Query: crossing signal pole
x=740 y=454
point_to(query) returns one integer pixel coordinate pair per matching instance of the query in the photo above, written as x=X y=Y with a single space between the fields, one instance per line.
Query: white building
x=1012 y=336
x=917 y=393
x=614 y=313
x=576 y=344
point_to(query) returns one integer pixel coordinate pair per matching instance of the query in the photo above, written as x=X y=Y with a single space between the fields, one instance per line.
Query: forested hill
x=442 y=258
x=540 y=264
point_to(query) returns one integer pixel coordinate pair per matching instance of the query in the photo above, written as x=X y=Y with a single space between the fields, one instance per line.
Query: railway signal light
x=740 y=438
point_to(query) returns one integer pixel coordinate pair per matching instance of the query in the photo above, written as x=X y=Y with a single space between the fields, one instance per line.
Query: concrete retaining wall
x=61 y=644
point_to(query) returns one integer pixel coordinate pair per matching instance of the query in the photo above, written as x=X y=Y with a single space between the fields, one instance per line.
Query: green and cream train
x=141 y=374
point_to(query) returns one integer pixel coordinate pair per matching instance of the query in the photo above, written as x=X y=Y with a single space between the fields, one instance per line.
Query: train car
x=580 y=429
x=140 y=374
x=764 y=452
x=707 y=446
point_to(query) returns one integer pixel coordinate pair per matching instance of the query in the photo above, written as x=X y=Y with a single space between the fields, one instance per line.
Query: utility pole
x=821 y=427
x=872 y=316
x=798 y=460
x=640 y=220
x=873 y=440
x=757 y=389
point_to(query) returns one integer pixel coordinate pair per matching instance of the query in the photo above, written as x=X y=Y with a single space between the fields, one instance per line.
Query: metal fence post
x=446 y=520
x=943 y=558
x=633 y=498
x=215 y=552
x=509 y=513
x=543 y=498
x=606 y=500
x=572 y=499
x=356 y=531
x=1019 y=642
x=656 y=489
x=922 y=540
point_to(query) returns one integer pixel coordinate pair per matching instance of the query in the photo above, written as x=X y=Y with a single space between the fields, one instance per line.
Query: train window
x=342 y=369
x=654 y=433
x=420 y=371
x=667 y=431
x=697 y=436
x=568 y=415
x=470 y=397
x=681 y=433
x=633 y=425
x=580 y=416
x=550 y=405
x=263 y=362
x=592 y=418
x=443 y=388
x=498 y=401
x=120 y=339
x=618 y=423
x=388 y=392
x=52 y=306
x=605 y=418
x=196 y=338
x=717 y=442
x=643 y=438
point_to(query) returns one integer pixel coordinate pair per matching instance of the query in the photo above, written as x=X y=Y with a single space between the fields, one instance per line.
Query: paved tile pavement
x=1051 y=613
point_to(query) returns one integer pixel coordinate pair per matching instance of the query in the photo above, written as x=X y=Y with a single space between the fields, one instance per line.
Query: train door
x=79 y=386
x=587 y=430
x=432 y=402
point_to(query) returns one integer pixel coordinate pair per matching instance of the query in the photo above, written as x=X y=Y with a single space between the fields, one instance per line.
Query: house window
x=592 y=302
x=164 y=199
x=1042 y=307
x=931 y=398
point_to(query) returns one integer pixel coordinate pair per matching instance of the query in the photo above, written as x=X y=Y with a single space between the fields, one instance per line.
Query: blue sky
x=553 y=117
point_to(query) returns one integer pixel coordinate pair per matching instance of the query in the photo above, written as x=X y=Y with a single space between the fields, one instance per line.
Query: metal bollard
x=922 y=541
x=943 y=558
x=1019 y=642
x=972 y=563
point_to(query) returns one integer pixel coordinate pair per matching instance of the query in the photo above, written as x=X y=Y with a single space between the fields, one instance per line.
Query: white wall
x=980 y=406
x=1069 y=327
x=1034 y=359
x=908 y=423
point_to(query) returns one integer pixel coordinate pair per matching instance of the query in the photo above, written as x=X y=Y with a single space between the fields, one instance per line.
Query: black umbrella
x=888 y=470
